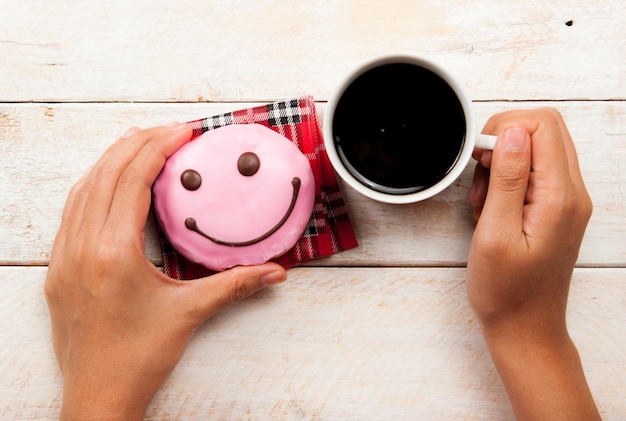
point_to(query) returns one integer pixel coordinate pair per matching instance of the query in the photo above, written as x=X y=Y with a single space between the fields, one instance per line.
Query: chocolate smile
x=190 y=223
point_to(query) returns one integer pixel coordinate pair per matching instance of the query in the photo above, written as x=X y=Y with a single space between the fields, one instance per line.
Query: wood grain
x=332 y=343
x=239 y=50
x=45 y=148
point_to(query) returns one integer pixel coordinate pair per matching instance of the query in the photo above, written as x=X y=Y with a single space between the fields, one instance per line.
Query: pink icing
x=213 y=223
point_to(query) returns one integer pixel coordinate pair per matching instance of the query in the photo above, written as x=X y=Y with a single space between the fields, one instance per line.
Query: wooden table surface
x=383 y=331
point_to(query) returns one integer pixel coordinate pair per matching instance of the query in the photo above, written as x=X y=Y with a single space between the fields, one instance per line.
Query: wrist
x=100 y=402
x=515 y=348
x=525 y=330
x=542 y=373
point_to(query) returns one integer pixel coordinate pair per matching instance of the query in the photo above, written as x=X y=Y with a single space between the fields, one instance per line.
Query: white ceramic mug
x=373 y=81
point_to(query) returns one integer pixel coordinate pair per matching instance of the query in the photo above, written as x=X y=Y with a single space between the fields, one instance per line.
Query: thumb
x=211 y=294
x=508 y=179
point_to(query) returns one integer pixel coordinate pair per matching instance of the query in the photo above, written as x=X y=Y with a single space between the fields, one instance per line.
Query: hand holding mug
x=532 y=208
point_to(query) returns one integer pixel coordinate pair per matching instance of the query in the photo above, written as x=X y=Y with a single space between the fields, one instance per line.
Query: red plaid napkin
x=329 y=231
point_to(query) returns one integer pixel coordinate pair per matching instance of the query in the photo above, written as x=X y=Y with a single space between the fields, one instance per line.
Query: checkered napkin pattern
x=329 y=231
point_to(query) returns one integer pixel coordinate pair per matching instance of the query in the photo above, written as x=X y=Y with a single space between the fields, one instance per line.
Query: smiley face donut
x=237 y=195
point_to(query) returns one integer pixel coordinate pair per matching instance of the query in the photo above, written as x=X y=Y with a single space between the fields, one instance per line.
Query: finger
x=81 y=190
x=485 y=159
x=496 y=123
x=130 y=132
x=477 y=153
x=585 y=204
x=132 y=197
x=483 y=156
x=563 y=186
x=545 y=126
x=549 y=155
x=73 y=212
x=476 y=213
x=208 y=296
x=572 y=154
x=508 y=181
x=478 y=191
x=105 y=174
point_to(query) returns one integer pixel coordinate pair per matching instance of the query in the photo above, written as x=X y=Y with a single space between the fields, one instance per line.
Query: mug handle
x=486 y=141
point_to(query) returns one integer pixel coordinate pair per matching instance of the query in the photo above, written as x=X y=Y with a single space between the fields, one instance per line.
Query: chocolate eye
x=248 y=164
x=191 y=180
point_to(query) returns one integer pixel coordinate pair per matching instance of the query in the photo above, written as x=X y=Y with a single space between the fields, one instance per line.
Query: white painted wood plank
x=233 y=50
x=45 y=148
x=330 y=343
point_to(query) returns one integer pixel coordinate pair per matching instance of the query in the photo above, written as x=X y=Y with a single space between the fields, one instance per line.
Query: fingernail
x=273 y=278
x=172 y=124
x=514 y=139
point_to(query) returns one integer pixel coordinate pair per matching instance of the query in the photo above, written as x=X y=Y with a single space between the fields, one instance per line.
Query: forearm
x=544 y=379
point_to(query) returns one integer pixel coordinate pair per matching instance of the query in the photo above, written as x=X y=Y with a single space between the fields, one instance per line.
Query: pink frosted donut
x=237 y=195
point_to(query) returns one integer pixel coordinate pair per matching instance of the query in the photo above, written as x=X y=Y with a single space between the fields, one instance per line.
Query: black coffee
x=400 y=126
